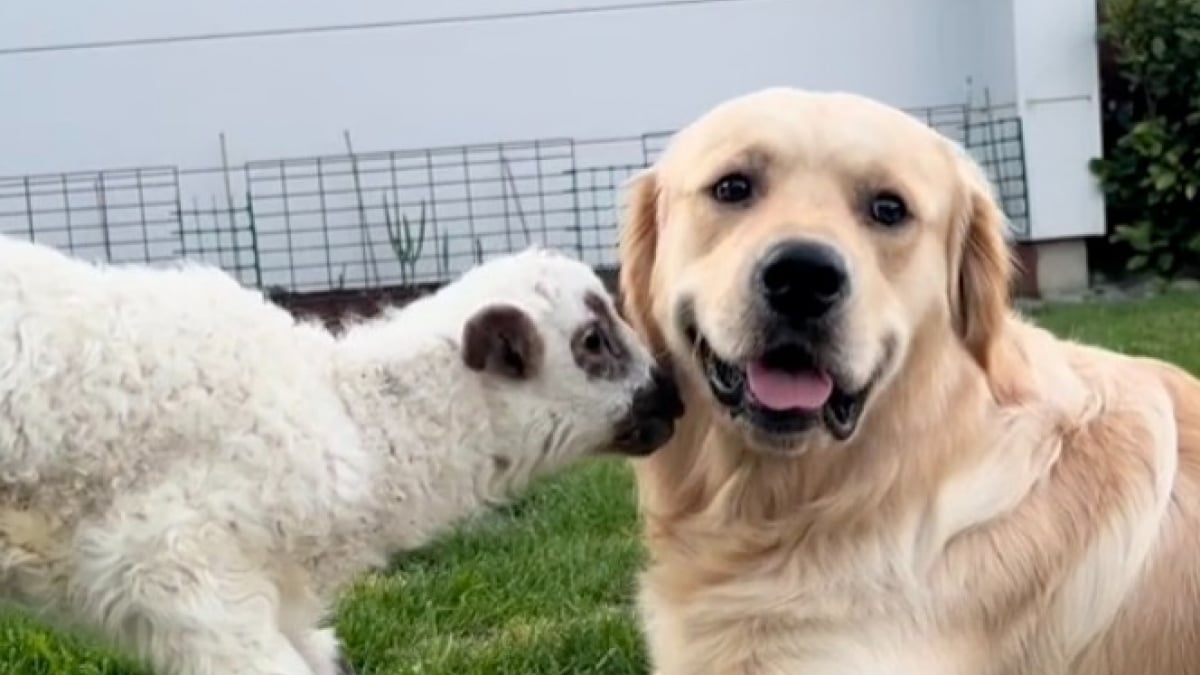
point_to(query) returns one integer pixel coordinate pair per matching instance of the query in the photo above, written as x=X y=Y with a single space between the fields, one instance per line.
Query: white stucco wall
x=592 y=75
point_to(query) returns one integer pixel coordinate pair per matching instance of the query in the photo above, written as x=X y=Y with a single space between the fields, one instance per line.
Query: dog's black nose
x=803 y=280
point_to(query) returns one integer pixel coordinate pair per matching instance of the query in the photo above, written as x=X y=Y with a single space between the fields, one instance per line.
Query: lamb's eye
x=733 y=188
x=888 y=209
x=593 y=340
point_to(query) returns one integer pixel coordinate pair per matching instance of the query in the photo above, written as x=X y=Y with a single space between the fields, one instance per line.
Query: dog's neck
x=428 y=428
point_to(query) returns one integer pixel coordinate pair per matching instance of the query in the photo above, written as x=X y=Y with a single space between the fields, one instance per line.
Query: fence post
x=442 y=254
x=66 y=195
x=102 y=203
x=258 y=277
x=466 y=160
x=575 y=202
x=324 y=220
x=29 y=209
x=229 y=206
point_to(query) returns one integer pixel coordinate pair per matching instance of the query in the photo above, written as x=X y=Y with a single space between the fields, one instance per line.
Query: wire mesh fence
x=392 y=218
x=127 y=214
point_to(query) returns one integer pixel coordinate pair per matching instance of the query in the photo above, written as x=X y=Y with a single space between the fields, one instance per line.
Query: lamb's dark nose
x=802 y=280
x=650 y=422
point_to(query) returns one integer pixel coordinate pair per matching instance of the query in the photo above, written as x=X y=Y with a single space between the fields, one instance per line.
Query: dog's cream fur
x=187 y=471
x=1011 y=503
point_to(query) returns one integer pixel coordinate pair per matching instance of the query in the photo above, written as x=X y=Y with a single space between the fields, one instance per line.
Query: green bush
x=1151 y=170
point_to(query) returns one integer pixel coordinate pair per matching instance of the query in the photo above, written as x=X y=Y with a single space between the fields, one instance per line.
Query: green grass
x=544 y=587
x=1166 y=326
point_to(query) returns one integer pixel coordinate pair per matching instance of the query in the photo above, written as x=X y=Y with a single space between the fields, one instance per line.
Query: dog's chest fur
x=766 y=623
x=1019 y=562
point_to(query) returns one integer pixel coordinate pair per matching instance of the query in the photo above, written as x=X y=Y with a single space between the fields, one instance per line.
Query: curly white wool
x=194 y=474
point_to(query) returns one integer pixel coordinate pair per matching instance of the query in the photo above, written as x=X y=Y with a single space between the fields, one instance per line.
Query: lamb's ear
x=503 y=340
x=638 y=245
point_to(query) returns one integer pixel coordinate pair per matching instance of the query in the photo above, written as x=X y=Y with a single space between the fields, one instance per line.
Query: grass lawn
x=544 y=587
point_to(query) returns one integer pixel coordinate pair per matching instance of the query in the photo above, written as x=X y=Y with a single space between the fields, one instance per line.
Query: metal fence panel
x=395 y=218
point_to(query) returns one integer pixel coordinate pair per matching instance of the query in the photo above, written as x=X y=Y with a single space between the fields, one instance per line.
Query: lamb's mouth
x=783 y=393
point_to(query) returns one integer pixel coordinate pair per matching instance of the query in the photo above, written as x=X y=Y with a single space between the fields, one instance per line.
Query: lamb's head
x=562 y=373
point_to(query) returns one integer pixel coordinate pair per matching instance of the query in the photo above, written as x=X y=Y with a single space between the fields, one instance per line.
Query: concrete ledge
x=1052 y=268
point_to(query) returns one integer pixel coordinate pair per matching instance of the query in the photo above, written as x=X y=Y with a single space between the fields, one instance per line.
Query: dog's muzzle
x=650 y=422
x=788 y=376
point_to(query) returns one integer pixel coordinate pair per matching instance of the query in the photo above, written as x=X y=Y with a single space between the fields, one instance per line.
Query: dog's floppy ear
x=981 y=278
x=638 y=244
x=503 y=340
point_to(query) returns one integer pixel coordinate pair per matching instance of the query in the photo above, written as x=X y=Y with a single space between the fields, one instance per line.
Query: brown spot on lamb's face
x=598 y=346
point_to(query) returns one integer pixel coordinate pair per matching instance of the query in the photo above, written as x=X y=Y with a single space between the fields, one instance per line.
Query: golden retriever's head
x=790 y=247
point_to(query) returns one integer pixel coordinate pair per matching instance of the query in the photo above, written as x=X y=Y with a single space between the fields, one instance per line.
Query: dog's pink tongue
x=781 y=390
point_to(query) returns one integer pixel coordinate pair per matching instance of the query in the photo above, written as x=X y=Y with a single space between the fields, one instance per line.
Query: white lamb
x=193 y=474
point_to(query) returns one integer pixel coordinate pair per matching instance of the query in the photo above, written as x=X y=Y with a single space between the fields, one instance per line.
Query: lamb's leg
x=301 y=613
x=203 y=630
x=183 y=599
x=323 y=652
x=248 y=650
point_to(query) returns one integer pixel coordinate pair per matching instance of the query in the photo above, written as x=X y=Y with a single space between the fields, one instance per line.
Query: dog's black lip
x=841 y=413
x=726 y=381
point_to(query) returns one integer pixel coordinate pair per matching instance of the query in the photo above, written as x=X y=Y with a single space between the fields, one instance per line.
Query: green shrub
x=1151 y=170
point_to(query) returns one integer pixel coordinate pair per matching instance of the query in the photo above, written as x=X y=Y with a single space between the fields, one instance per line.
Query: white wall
x=592 y=75
x=993 y=47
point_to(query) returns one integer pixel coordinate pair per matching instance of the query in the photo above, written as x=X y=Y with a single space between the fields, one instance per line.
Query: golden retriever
x=882 y=468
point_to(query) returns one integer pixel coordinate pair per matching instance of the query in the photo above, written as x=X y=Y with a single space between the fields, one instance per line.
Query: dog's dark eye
x=733 y=188
x=888 y=210
x=593 y=340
